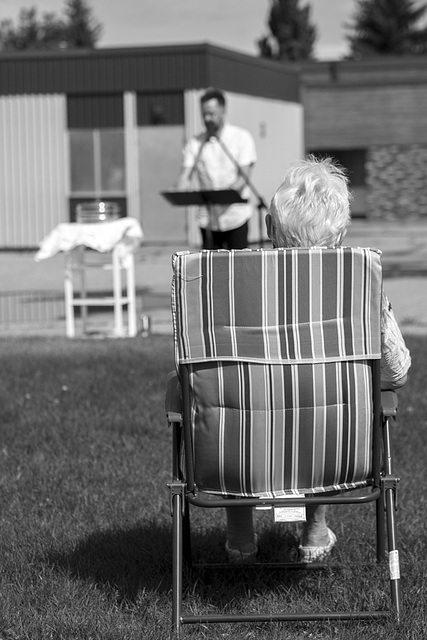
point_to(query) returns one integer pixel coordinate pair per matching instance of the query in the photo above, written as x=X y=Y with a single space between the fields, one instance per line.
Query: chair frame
x=382 y=493
x=75 y=263
x=381 y=490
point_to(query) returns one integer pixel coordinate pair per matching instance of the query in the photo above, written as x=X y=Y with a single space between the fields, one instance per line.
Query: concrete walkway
x=404 y=248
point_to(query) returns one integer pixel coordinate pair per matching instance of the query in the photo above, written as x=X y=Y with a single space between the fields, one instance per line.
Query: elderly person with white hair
x=311 y=207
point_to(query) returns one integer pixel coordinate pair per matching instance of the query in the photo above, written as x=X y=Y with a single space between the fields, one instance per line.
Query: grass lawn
x=85 y=528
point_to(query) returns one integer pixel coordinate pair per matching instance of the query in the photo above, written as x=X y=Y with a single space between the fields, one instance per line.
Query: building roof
x=145 y=69
x=375 y=71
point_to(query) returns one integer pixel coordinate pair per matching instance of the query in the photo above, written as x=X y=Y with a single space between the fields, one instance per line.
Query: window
x=155 y=109
x=97 y=159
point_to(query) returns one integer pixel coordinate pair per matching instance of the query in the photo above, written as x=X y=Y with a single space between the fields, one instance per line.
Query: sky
x=233 y=24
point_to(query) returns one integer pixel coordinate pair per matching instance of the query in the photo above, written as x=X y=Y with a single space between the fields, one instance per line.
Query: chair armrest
x=173 y=402
x=389 y=403
x=173 y=416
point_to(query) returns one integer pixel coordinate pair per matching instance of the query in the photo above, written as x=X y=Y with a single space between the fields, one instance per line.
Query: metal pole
x=393 y=553
x=177 y=563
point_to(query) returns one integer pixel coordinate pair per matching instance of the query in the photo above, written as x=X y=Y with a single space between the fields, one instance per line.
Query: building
x=109 y=124
x=372 y=116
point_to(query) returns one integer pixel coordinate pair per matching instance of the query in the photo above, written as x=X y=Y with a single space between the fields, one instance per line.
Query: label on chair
x=394 y=566
x=290 y=514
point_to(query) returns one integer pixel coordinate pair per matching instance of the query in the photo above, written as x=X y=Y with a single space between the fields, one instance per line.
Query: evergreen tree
x=292 y=35
x=76 y=29
x=382 y=27
x=82 y=28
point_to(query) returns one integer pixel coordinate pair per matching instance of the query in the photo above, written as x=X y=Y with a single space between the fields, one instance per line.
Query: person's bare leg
x=315 y=530
x=317 y=539
x=240 y=529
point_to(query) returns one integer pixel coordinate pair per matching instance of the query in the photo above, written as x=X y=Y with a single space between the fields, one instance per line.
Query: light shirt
x=216 y=170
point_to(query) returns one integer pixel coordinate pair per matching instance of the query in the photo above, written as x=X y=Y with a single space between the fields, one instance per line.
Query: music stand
x=203 y=198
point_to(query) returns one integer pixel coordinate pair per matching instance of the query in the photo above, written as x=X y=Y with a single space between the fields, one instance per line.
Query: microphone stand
x=261 y=204
x=199 y=153
x=208 y=229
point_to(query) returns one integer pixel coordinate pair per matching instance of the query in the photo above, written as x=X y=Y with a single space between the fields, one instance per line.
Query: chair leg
x=69 y=295
x=130 y=293
x=393 y=553
x=177 y=515
x=187 y=537
x=390 y=484
x=380 y=523
x=117 y=295
x=83 y=308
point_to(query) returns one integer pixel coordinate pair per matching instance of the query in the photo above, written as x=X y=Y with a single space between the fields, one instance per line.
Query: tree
x=382 y=27
x=76 y=29
x=32 y=32
x=82 y=29
x=292 y=34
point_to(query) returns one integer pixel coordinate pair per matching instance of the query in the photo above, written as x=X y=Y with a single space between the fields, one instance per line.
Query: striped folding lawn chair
x=278 y=364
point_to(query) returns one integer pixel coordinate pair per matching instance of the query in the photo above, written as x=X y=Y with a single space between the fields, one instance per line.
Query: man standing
x=221 y=157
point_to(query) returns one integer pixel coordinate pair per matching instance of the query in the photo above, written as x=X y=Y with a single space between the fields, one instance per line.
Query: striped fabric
x=281 y=305
x=278 y=345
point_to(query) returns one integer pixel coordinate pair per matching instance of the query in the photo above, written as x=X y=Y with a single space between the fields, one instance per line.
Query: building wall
x=33 y=168
x=59 y=114
x=355 y=117
x=396 y=180
x=377 y=107
x=155 y=69
x=160 y=156
x=35 y=172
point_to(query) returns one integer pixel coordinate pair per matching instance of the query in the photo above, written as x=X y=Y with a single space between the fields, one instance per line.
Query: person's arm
x=183 y=182
x=190 y=156
x=241 y=180
x=395 y=357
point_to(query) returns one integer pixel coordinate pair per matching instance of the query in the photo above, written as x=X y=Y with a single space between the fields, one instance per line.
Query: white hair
x=311 y=206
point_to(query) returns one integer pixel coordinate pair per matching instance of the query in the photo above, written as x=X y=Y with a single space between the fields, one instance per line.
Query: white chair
x=81 y=258
x=77 y=261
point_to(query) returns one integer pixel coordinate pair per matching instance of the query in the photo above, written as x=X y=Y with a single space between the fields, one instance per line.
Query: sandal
x=317 y=554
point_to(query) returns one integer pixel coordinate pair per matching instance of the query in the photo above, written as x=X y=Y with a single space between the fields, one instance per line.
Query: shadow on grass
x=225 y=587
x=128 y=565
x=125 y=562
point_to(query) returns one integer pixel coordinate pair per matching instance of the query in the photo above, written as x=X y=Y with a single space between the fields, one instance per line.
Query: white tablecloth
x=125 y=234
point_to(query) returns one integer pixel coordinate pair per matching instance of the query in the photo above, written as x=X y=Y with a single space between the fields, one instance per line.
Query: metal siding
x=100 y=71
x=94 y=112
x=256 y=77
x=32 y=168
x=152 y=69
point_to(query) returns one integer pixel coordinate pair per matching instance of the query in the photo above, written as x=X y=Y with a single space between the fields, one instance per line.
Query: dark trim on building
x=145 y=69
x=379 y=71
x=160 y=108
x=95 y=112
